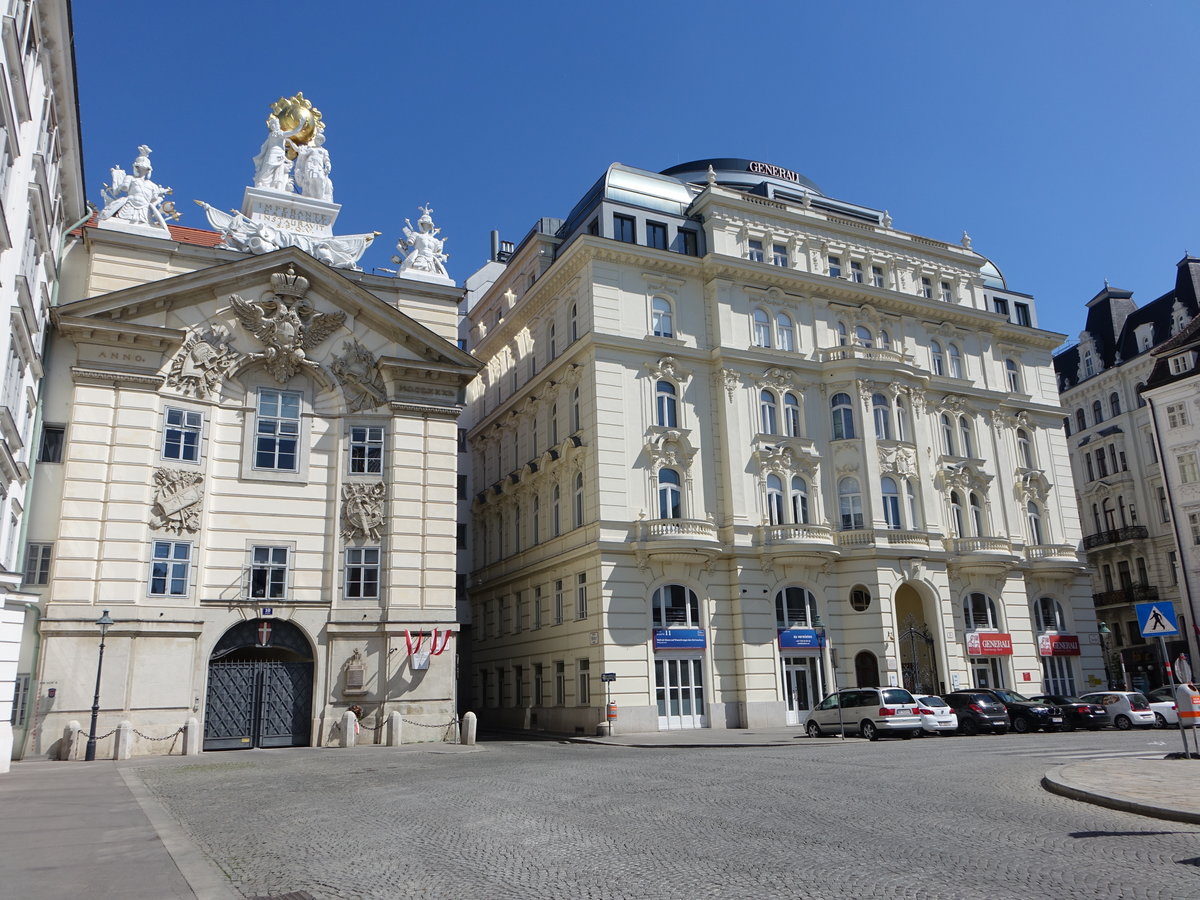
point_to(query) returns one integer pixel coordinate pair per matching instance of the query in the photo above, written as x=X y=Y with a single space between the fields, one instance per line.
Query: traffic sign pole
x=1162 y=648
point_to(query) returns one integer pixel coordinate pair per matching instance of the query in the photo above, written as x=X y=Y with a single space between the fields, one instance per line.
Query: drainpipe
x=1192 y=641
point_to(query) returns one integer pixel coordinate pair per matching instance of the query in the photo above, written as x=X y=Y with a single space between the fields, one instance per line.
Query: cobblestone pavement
x=950 y=817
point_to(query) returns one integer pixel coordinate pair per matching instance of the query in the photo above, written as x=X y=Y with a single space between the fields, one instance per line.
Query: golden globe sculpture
x=297 y=113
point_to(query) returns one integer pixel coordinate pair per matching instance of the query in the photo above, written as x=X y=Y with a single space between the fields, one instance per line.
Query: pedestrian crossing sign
x=1157 y=619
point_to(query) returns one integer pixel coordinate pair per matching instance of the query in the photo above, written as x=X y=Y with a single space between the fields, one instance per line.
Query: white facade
x=716 y=414
x=41 y=196
x=248 y=443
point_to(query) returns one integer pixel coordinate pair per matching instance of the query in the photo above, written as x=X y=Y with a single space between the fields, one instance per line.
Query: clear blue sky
x=1062 y=135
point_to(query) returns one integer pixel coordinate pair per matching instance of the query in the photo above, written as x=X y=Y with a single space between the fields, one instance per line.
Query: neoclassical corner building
x=249 y=459
x=737 y=443
x=1133 y=426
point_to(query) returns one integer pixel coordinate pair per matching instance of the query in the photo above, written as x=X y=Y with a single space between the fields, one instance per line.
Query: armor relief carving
x=774 y=377
x=897 y=461
x=358 y=371
x=177 y=499
x=362 y=511
x=202 y=363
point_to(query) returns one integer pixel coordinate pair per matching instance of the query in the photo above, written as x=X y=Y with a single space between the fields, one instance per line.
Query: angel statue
x=135 y=198
x=272 y=168
x=423 y=248
x=312 y=168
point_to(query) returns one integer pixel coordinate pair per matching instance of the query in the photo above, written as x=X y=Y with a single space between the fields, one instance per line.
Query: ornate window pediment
x=668 y=367
x=779 y=379
x=964 y=477
x=669 y=447
x=1032 y=485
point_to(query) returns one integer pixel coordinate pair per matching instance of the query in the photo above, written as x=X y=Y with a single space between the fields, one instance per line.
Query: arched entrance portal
x=866 y=669
x=918 y=659
x=260 y=687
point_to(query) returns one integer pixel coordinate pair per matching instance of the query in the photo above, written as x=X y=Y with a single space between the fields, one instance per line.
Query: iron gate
x=258 y=704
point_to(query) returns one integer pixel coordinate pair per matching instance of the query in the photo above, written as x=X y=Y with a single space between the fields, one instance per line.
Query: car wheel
x=1021 y=725
x=868 y=730
x=1122 y=723
x=968 y=727
x=1160 y=721
x=813 y=729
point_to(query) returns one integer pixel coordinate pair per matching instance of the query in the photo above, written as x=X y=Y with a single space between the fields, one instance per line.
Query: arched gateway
x=260 y=687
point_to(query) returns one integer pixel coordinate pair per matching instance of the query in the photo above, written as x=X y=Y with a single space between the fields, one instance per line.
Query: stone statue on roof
x=422 y=248
x=134 y=199
x=272 y=167
x=312 y=169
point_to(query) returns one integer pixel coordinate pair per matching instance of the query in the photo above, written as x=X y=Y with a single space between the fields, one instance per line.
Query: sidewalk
x=1159 y=788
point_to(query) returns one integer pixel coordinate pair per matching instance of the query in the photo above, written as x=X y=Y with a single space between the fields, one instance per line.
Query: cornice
x=109 y=376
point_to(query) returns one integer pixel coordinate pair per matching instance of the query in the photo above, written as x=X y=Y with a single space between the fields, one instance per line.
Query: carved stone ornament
x=202 y=362
x=897 y=461
x=917 y=399
x=287 y=325
x=177 y=496
x=362 y=511
x=669 y=447
x=421 y=249
x=668 y=367
x=1033 y=485
x=358 y=371
x=955 y=404
x=728 y=379
x=135 y=200
x=780 y=379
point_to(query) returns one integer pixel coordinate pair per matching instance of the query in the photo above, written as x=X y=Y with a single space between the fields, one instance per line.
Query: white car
x=936 y=715
x=1127 y=708
x=1166 y=712
x=869 y=712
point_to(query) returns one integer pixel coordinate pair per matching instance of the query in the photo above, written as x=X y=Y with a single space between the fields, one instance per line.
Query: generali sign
x=1058 y=645
x=989 y=643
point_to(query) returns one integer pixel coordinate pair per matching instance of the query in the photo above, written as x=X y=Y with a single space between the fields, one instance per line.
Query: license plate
x=1056 y=718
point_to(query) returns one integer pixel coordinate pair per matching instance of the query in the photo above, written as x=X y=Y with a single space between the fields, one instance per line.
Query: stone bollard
x=395 y=723
x=468 y=728
x=70 y=738
x=349 y=729
x=604 y=729
x=191 y=737
x=123 y=745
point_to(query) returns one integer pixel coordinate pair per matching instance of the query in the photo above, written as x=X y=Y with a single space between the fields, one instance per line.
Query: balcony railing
x=1115 y=536
x=1050 y=551
x=897 y=536
x=1138 y=593
x=696 y=529
x=980 y=545
x=856 y=351
x=797 y=534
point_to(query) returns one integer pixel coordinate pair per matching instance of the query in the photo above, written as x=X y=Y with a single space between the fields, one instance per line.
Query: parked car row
x=871 y=712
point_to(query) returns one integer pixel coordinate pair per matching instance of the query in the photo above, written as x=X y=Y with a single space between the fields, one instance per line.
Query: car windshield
x=898 y=696
x=1138 y=701
x=931 y=701
x=1010 y=696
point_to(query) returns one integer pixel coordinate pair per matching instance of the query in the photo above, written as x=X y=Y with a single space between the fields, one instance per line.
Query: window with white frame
x=576 y=416
x=578 y=504
x=842 y=411
x=656 y=235
x=785 y=332
x=935 y=356
x=835 y=267
x=558 y=602
x=885 y=339
x=539 y=692
x=882 y=412
x=891 y=502
x=767 y=412
x=956 y=515
x=927 y=288
x=779 y=255
x=762 y=329
x=903 y=431
x=555 y=511
x=948 y=444
x=1181 y=363
x=1014 y=375
x=791 y=415
x=662 y=318
x=277 y=430
x=536 y=621
x=1188 y=471
x=977 y=515
x=947 y=294
x=1114 y=403
x=1034 y=515
x=560 y=683
x=863 y=337
x=775 y=500
x=519 y=685
x=979 y=611
x=535 y=520
x=914 y=515
x=799 y=500
x=362 y=573
x=170 y=566
x=754 y=251
x=583 y=678
x=795 y=607
x=877 y=276
x=581 y=597
x=1048 y=615
x=521 y=615
x=956 y=362
x=1024 y=449
x=574 y=322
x=966 y=440
x=842 y=335
x=670 y=497
x=856 y=272
x=666 y=404
x=182 y=429
x=1177 y=416
x=37 y=562
x=269 y=572
x=675 y=604
x=366 y=450
x=850 y=505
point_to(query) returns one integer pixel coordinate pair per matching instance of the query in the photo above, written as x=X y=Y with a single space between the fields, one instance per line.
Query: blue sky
x=1061 y=135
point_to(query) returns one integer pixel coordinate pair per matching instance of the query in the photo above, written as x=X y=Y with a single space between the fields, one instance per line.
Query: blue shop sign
x=800 y=639
x=679 y=639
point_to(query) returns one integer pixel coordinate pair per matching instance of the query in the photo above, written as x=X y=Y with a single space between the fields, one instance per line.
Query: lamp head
x=1104 y=629
x=105 y=620
x=816 y=621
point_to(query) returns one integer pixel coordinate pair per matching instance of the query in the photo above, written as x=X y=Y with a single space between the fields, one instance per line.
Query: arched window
x=1024 y=448
x=799 y=500
x=762 y=329
x=536 y=523
x=785 y=333
x=555 y=514
x=956 y=512
x=841 y=334
x=891 y=501
x=979 y=611
x=977 y=515
x=675 y=604
x=902 y=429
x=862 y=336
x=579 y=500
x=767 y=412
x=574 y=322
x=947 y=436
x=666 y=405
x=885 y=339
x=914 y=518
x=670 y=498
x=1035 y=523
x=551 y=341
x=964 y=432
x=662 y=318
x=775 y=500
x=935 y=354
x=1014 y=375
x=956 y=365
x=1080 y=420
x=1141 y=401
x=850 y=505
x=1114 y=404
x=794 y=608
x=1048 y=615
x=791 y=415
x=1067 y=425
x=1089 y=364
x=517 y=527
x=882 y=412
x=843 y=417
x=1097 y=412
x=575 y=417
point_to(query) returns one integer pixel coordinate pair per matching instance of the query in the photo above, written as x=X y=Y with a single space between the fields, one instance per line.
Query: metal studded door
x=258 y=704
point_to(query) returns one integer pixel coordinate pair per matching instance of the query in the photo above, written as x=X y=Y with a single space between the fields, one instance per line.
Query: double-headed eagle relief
x=287 y=324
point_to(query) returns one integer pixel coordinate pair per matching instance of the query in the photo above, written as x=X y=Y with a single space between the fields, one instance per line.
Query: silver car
x=936 y=715
x=867 y=712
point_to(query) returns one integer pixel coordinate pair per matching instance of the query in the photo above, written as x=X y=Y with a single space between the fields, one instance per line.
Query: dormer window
x=1182 y=363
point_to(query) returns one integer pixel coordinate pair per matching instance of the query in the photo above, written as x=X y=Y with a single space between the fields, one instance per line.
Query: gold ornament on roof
x=299 y=115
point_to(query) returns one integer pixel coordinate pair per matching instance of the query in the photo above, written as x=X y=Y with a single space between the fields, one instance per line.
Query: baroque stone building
x=737 y=443
x=1130 y=447
x=41 y=198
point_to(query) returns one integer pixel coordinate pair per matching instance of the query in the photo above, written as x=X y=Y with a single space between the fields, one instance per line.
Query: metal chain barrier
x=79 y=743
x=173 y=734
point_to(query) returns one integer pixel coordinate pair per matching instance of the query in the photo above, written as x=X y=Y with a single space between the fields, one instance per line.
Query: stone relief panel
x=362 y=511
x=177 y=500
x=358 y=371
x=202 y=363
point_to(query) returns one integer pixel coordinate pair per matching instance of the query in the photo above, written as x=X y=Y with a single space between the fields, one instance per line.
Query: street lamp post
x=89 y=753
x=1104 y=635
